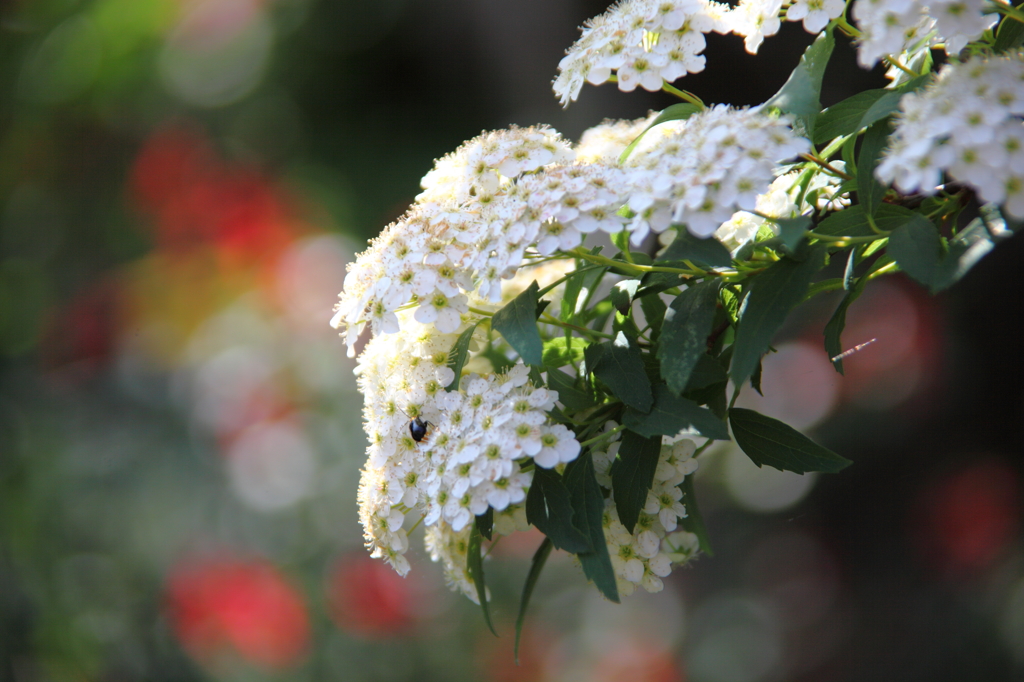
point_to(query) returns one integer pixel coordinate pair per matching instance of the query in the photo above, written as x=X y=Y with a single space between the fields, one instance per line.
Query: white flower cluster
x=651 y=42
x=905 y=28
x=967 y=123
x=469 y=461
x=701 y=170
x=646 y=555
x=473 y=225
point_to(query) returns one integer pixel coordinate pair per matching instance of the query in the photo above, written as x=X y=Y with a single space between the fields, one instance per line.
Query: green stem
x=1009 y=11
x=683 y=95
x=566 y=277
x=602 y=437
x=835 y=284
x=478 y=311
x=636 y=268
x=548 y=318
x=846 y=241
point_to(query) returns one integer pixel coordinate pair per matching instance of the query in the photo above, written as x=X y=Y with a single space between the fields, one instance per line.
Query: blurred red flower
x=232 y=606
x=367 y=598
x=966 y=520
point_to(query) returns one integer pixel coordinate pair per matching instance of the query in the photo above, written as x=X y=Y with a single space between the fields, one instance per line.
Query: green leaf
x=773 y=293
x=852 y=221
x=569 y=395
x=917 y=249
x=1009 y=35
x=801 y=94
x=670 y=414
x=861 y=110
x=485 y=522
x=846 y=117
x=550 y=509
x=869 y=190
x=676 y=112
x=693 y=521
x=517 y=322
x=457 y=356
x=632 y=475
x=792 y=230
x=684 y=334
x=561 y=351
x=654 y=312
x=622 y=294
x=707 y=372
x=707 y=253
x=536 y=566
x=588 y=506
x=620 y=366
x=769 y=441
x=835 y=326
x=573 y=288
x=475 y=565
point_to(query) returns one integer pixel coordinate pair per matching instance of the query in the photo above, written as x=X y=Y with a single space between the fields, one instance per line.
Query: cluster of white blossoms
x=652 y=42
x=472 y=457
x=645 y=556
x=510 y=194
x=905 y=28
x=967 y=123
x=702 y=170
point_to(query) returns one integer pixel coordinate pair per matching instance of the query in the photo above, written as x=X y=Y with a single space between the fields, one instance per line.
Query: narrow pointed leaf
x=632 y=475
x=540 y=557
x=801 y=93
x=517 y=322
x=792 y=230
x=475 y=565
x=852 y=221
x=457 y=356
x=769 y=441
x=549 y=508
x=834 y=328
x=869 y=190
x=654 y=312
x=574 y=399
x=588 y=506
x=773 y=293
x=621 y=368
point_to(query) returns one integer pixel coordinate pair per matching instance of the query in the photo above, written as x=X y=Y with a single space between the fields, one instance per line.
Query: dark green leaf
x=773 y=293
x=670 y=414
x=569 y=395
x=792 y=230
x=835 y=326
x=846 y=117
x=536 y=566
x=573 y=287
x=860 y=111
x=706 y=372
x=755 y=378
x=684 y=334
x=707 y=253
x=1009 y=35
x=917 y=248
x=801 y=94
x=632 y=475
x=485 y=522
x=561 y=351
x=675 y=112
x=588 y=510
x=622 y=294
x=869 y=190
x=517 y=322
x=853 y=222
x=769 y=441
x=457 y=356
x=693 y=521
x=621 y=368
x=549 y=508
x=969 y=246
x=475 y=565
x=654 y=312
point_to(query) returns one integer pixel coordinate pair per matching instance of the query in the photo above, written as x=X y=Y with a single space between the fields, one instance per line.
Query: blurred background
x=181 y=185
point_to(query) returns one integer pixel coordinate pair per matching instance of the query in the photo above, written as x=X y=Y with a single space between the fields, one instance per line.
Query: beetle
x=418 y=429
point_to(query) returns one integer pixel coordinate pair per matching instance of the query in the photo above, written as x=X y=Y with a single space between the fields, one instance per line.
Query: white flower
x=815 y=13
x=967 y=124
x=755 y=20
